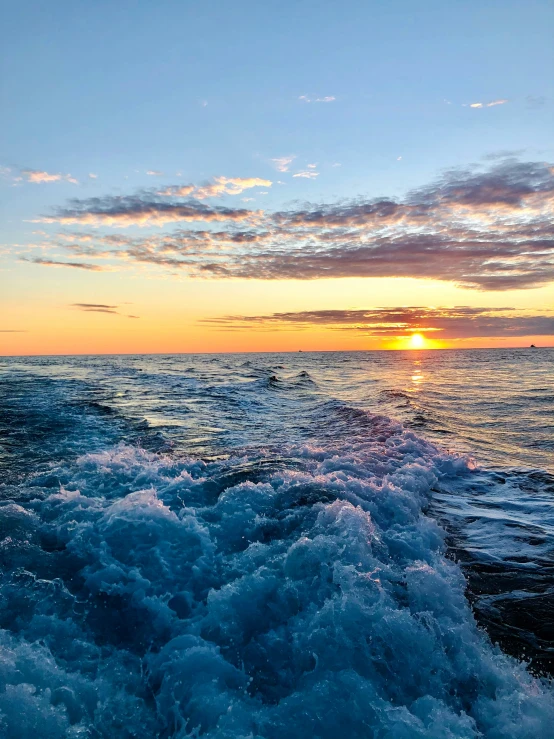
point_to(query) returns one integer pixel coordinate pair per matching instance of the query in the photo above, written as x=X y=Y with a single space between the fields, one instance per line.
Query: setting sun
x=417 y=341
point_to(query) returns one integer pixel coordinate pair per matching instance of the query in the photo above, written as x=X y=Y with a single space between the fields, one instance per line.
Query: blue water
x=277 y=545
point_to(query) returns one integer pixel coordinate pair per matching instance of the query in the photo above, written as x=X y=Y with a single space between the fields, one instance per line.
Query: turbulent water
x=277 y=545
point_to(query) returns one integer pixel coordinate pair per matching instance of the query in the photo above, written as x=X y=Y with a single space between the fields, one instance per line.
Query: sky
x=213 y=176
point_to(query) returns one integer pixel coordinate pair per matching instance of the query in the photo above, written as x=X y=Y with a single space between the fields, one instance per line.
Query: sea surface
x=264 y=546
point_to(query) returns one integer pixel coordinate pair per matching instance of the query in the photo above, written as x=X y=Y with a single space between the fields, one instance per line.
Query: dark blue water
x=275 y=545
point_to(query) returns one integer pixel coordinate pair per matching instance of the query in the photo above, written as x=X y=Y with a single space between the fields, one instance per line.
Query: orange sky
x=171 y=313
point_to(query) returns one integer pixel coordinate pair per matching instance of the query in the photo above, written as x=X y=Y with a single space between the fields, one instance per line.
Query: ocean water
x=278 y=545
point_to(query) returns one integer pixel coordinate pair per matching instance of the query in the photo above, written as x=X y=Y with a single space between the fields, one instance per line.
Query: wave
x=301 y=380
x=500 y=525
x=265 y=595
x=394 y=395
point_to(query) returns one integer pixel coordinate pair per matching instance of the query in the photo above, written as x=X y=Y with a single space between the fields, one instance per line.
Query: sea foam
x=151 y=596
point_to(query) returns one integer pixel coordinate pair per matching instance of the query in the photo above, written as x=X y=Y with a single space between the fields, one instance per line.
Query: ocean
x=334 y=544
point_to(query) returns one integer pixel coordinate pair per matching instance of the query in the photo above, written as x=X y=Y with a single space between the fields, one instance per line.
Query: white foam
x=317 y=602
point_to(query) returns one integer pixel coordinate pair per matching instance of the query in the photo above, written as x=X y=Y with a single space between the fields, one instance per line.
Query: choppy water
x=275 y=545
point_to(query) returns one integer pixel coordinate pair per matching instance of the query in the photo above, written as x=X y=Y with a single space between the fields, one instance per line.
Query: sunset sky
x=214 y=176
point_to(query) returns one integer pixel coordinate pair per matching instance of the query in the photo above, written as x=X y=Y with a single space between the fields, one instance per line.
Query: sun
x=417 y=341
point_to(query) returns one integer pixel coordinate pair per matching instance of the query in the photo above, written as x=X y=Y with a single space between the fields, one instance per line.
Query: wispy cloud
x=95 y=307
x=282 y=164
x=100 y=308
x=12 y=331
x=37 y=176
x=220 y=186
x=535 y=101
x=145 y=209
x=74 y=265
x=308 y=174
x=490 y=104
x=92 y=176
x=490 y=227
x=154 y=173
x=452 y=323
x=312 y=99
x=495 y=156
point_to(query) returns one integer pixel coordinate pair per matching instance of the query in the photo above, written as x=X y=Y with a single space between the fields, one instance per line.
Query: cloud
x=92 y=176
x=220 y=186
x=12 y=331
x=149 y=208
x=154 y=173
x=95 y=307
x=310 y=99
x=307 y=174
x=282 y=164
x=74 y=265
x=311 y=166
x=181 y=191
x=38 y=176
x=490 y=227
x=494 y=156
x=460 y=322
x=100 y=308
x=535 y=101
x=144 y=209
x=490 y=104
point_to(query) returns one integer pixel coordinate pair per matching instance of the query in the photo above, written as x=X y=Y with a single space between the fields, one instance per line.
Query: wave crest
x=197 y=598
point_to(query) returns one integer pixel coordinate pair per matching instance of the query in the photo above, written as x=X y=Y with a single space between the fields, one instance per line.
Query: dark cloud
x=96 y=308
x=511 y=183
x=460 y=322
x=75 y=265
x=145 y=209
x=477 y=264
x=99 y=308
x=488 y=229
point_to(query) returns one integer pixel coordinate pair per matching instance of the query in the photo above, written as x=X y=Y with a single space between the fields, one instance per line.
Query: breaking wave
x=275 y=593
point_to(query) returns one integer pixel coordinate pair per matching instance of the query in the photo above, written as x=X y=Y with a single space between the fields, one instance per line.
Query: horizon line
x=288 y=351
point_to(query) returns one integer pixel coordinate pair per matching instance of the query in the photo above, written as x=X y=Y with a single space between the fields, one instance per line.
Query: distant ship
x=533 y=346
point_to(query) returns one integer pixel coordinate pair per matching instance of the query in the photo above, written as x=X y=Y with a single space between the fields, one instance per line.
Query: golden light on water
x=417 y=341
